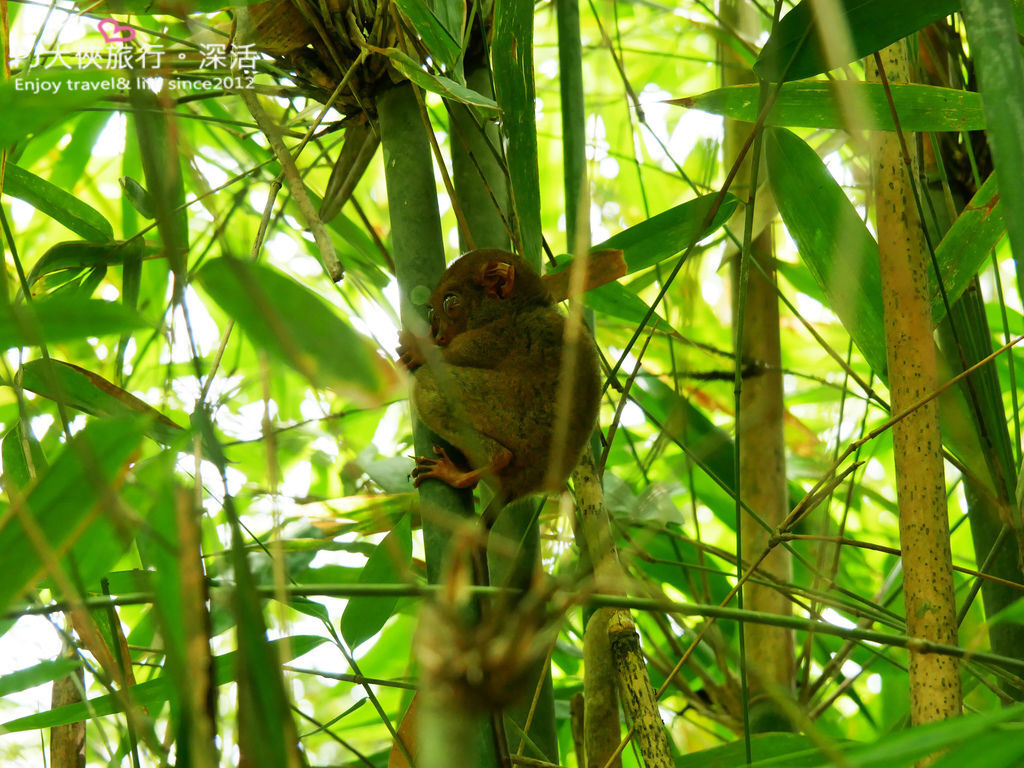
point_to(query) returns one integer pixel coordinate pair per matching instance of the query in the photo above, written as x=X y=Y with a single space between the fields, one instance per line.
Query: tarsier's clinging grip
x=488 y=381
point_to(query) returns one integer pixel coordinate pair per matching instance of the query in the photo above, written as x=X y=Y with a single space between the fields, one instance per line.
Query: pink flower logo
x=113 y=32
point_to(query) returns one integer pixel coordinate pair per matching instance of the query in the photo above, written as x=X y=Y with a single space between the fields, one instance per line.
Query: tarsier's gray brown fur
x=489 y=381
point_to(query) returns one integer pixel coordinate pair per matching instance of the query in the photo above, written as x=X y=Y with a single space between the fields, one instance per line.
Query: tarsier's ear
x=498 y=278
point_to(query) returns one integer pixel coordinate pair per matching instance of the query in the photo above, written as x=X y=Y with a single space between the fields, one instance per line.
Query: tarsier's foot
x=443 y=469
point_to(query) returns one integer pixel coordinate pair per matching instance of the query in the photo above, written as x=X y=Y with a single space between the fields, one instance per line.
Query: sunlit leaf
x=157 y=135
x=38 y=674
x=91 y=393
x=438 y=84
x=138 y=196
x=834 y=243
x=23 y=458
x=63 y=501
x=669 y=232
x=870 y=25
x=821 y=105
x=294 y=325
x=58 y=204
x=441 y=43
x=154 y=692
x=33 y=102
x=366 y=616
x=79 y=254
x=63 y=318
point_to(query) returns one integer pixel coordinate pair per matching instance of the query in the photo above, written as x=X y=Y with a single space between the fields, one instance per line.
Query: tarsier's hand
x=410 y=351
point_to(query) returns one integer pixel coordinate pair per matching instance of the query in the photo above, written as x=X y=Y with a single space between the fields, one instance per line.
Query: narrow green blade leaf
x=796 y=749
x=64 y=318
x=834 y=243
x=615 y=300
x=669 y=232
x=438 y=84
x=66 y=209
x=153 y=692
x=43 y=672
x=63 y=500
x=79 y=254
x=443 y=46
x=18 y=474
x=995 y=47
x=817 y=105
x=157 y=141
x=365 y=616
x=295 y=325
x=32 y=103
x=902 y=748
x=872 y=25
x=138 y=196
x=967 y=244
x=91 y=393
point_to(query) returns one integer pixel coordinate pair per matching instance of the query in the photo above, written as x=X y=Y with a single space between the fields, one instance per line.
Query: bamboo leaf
x=444 y=44
x=91 y=393
x=64 y=318
x=31 y=104
x=38 y=674
x=967 y=244
x=366 y=616
x=62 y=502
x=797 y=750
x=817 y=105
x=615 y=300
x=294 y=325
x=154 y=692
x=834 y=243
x=157 y=139
x=78 y=254
x=903 y=748
x=872 y=25
x=995 y=46
x=18 y=473
x=138 y=196
x=80 y=218
x=669 y=232
x=438 y=84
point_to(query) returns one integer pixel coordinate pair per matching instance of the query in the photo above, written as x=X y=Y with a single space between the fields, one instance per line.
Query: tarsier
x=488 y=380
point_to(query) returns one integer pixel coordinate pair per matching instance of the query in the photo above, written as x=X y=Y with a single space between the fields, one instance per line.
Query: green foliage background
x=147 y=321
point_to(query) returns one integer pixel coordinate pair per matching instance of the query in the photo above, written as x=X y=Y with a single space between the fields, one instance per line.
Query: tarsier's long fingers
x=443 y=469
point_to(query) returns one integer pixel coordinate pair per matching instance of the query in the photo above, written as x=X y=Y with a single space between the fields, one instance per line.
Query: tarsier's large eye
x=451 y=303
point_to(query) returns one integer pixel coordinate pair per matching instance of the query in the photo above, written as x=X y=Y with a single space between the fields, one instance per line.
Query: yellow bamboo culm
x=911 y=358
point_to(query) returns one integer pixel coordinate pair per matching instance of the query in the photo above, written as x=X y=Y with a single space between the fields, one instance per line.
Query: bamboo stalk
x=636 y=692
x=760 y=415
x=443 y=724
x=920 y=486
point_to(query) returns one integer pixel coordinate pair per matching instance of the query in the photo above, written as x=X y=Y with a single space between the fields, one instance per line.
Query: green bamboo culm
x=418 y=251
x=419 y=261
